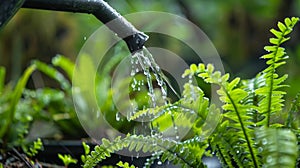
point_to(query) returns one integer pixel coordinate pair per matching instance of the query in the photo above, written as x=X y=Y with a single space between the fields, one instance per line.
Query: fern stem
x=272 y=79
x=243 y=128
x=223 y=158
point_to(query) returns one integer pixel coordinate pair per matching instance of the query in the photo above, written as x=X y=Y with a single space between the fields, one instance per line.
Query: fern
x=242 y=137
x=173 y=151
x=273 y=97
x=150 y=161
x=293 y=120
x=125 y=165
x=34 y=148
x=235 y=112
x=253 y=99
x=278 y=146
x=190 y=111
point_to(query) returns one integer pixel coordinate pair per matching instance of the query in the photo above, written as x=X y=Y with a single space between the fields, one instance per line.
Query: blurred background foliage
x=237 y=28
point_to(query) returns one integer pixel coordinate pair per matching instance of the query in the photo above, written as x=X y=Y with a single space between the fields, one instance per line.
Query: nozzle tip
x=136 y=41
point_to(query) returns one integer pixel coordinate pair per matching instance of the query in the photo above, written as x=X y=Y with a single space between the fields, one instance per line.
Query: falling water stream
x=143 y=61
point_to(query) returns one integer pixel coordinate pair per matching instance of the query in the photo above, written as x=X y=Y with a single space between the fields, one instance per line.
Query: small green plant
x=248 y=133
x=124 y=165
x=34 y=148
x=21 y=107
x=14 y=122
x=67 y=159
x=86 y=152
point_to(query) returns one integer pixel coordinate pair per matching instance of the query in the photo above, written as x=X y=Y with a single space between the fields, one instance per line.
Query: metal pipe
x=8 y=8
x=103 y=11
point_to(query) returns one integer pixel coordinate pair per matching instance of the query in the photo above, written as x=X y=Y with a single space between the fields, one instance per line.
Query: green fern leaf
x=125 y=165
x=240 y=134
x=272 y=101
x=175 y=152
x=279 y=147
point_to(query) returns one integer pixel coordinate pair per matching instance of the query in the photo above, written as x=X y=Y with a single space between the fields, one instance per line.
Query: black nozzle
x=134 y=39
x=136 y=42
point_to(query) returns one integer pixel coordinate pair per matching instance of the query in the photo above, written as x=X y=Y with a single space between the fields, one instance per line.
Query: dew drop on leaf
x=264 y=141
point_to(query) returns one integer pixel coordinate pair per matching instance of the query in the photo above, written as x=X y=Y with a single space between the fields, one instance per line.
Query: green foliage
x=2 y=78
x=246 y=134
x=293 y=120
x=9 y=100
x=173 y=151
x=67 y=159
x=65 y=64
x=86 y=152
x=273 y=97
x=53 y=73
x=34 y=148
x=20 y=107
x=124 y=165
x=278 y=147
x=235 y=113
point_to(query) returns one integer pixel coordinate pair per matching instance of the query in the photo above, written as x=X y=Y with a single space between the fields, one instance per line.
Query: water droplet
x=84 y=38
x=269 y=159
x=118 y=116
x=132 y=73
x=264 y=141
x=181 y=150
x=159 y=163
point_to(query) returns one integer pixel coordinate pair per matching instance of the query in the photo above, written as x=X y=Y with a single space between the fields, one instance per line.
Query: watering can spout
x=103 y=11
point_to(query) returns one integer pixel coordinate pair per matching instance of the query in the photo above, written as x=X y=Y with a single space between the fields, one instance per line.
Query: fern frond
x=273 y=97
x=250 y=86
x=297 y=133
x=150 y=161
x=293 y=120
x=238 y=132
x=191 y=94
x=172 y=151
x=226 y=152
x=279 y=147
x=125 y=165
x=190 y=111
